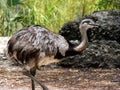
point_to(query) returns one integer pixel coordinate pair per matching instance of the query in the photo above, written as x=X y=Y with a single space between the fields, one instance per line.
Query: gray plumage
x=30 y=47
x=38 y=40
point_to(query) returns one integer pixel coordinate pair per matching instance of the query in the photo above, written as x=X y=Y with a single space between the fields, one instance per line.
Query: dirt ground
x=58 y=78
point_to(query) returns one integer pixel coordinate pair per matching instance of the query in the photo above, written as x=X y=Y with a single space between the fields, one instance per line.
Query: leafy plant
x=108 y=4
x=8 y=17
x=16 y=14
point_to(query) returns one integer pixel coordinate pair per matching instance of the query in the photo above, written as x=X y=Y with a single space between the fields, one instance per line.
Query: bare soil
x=58 y=78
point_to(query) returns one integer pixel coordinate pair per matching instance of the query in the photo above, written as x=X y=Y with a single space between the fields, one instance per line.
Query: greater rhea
x=32 y=45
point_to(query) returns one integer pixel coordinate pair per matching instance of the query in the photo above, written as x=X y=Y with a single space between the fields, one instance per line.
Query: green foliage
x=11 y=3
x=8 y=16
x=16 y=14
x=108 y=4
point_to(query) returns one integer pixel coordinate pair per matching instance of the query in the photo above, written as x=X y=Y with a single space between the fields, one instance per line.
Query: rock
x=99 y=54
x=109 y=30
x=104 y=43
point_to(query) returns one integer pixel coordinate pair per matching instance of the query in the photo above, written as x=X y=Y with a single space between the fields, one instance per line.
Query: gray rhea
x=35 y=46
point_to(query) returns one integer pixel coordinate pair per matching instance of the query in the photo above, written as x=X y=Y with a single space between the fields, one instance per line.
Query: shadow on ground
x=58 y=78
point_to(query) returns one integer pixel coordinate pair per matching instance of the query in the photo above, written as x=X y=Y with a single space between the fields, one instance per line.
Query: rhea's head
x=87 y=24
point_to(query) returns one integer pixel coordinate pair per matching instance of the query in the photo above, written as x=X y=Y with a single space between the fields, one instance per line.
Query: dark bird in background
x=31 y=47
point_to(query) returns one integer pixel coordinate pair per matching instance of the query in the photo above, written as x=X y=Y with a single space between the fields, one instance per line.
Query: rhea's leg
x=33 y=73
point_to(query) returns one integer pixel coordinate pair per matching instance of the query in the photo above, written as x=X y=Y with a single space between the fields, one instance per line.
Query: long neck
x=76 y=50
x=84 y=42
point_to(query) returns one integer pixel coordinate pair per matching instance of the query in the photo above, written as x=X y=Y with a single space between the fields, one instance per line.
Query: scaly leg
x=31 y=74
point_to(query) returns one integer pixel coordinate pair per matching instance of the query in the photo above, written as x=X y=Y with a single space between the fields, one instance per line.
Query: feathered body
x=34 y=46
x=34 y=43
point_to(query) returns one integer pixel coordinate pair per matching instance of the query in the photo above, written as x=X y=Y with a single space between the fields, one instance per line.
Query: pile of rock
x=104 y=43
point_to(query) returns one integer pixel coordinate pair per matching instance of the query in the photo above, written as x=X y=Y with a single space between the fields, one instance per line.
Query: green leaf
x=17 y=19
x=11 y=3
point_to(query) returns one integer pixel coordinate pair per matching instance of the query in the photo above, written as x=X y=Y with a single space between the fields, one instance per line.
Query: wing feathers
x=36 y=41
